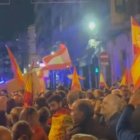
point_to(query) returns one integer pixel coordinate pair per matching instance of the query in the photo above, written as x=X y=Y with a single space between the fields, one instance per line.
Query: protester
x=83 y=122
x=5 y=134
x=124 y=129
x=22 y=131
x=3 y=108
x=14 y=115
x=83 y=137
x=73 y=96
x=60 y=120
x=111 y=110
x=31 y=116
x=44 y=115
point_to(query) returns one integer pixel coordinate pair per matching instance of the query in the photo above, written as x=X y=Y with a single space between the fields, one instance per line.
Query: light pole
x=92 y=46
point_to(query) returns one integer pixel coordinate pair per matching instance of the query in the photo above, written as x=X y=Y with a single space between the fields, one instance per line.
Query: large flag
x=59 y=60
x=15 y=67
x=102 y=82
x=126 y=78
x=135 y=71
x=76 y=85
x=135 y=30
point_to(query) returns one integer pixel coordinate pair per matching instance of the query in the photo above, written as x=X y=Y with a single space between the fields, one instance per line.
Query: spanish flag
x=126 y=78
x=15 y=67
x=135 y=68
x=59 y=60
x=102 y=82
x=135 y=30
x=28 y=94
x=76 y=85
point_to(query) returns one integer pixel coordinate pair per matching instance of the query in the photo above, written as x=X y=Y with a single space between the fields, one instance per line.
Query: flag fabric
x=102 y=82
x=135 y=71
x=76 y=85
x=135 y=30
x=59 y=60
x=135 y=68
x=126 y=78
x=28 y=94
x=15 y=67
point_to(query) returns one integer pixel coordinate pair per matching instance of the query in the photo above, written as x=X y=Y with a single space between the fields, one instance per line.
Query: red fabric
x=28 y=99
x=15 y=67
x=76 y=85
x=39 y=133
x=136 y=49
x=63 y=54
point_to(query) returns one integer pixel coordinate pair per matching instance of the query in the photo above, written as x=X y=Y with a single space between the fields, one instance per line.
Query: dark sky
x=15 y=18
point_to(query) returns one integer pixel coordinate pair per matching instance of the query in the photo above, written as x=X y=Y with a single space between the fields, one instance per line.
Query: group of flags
x=132 y=75
x=61 y=60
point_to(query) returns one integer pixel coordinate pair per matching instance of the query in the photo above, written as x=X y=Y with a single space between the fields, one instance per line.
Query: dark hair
x=44 y=114
x=55 y=98
x=27 y=113
x=86 y=107
x=41 y=101
x=22 y=130
x=10 y=105
x=73 y=96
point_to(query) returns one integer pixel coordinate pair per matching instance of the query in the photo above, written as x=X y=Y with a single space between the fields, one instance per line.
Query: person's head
x=98 y=93
x=30 y=115
x=55 y=103
x=89 y=94
x=83 y=137
x=14 y=114
x=123 y=87
x=111 y=105
x=82 y=110
x=73 y=96
x=22 y=131
x=44 y=114
x=40 y=102
x=117 y=92
x=5 y=133
x=10 y=104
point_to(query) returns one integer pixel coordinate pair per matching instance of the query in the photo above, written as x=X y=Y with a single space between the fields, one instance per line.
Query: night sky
x=15 y=18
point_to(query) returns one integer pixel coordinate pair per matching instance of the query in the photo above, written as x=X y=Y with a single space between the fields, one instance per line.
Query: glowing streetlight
x=92 y=25
x=52 y=53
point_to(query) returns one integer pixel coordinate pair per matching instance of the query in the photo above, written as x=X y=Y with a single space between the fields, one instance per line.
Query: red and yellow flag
x=59 y=60
x=135 y=30
x=28 y=94
x=135 y=71
x=102 y=82
x=126 y=78
x=15 y=67
x=76 y=85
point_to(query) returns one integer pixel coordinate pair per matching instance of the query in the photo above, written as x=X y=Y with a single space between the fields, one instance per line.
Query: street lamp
x=92 y=26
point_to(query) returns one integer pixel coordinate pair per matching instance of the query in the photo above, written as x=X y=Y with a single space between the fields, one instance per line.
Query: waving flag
x=59 y=60
x=135 y=29
x=15 y=67
x=28 y=94
x=76 y=85
x=126 y=78
x=102 y=82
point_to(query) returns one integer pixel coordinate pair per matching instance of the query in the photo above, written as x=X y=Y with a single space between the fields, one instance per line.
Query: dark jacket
x=3 y=119
x=89 y=126
x=124 y=131
x=111 y=126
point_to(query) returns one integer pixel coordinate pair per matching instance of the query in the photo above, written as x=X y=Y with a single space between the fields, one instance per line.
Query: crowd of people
x=97 y=114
